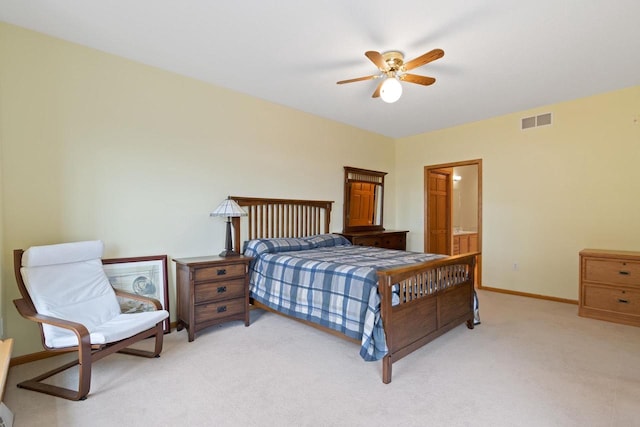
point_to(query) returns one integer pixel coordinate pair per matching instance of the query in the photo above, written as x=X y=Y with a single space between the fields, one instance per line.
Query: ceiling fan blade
x=359 y=79
x=376 y=94
x=421 y=80
x=377 y=59
x=424 y=59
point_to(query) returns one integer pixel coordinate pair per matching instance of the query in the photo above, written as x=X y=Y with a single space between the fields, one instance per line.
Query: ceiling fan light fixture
x=391 y=90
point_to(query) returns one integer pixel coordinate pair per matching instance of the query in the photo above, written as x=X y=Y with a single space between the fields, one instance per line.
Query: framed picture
x=145 y=276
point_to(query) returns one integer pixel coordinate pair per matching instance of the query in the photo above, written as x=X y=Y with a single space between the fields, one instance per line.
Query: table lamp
x=228 y=208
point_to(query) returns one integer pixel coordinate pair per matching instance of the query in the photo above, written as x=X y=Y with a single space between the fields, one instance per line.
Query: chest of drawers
x=210 y=291
x=382 y=239
x=610 y=286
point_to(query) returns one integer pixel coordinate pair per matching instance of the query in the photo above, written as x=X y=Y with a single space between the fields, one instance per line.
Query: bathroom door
x=439 y=211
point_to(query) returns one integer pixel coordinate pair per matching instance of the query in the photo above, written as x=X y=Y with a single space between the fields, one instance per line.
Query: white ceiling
x=501 y=56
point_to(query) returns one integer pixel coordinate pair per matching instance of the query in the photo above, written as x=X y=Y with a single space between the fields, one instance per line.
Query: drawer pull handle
x=222 y=309
x=222 y=272
x=624 y=301
x=222 y=289
x=624 y=273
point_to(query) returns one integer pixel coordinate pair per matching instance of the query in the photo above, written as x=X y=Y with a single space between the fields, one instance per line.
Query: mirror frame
x=352 y=175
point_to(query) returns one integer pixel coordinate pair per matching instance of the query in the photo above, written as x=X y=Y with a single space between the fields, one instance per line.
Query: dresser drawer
x=219 y=310
x=612 y=271
x=392 y=241
x=222 y=271
x=397 y=241
x=367 y=241
x=620 y=300
x=215 y=291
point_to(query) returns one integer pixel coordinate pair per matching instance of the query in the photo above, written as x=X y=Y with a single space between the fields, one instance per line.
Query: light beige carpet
x=530 y=363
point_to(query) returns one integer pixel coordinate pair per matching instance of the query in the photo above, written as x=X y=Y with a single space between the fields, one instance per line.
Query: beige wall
x=548 y=192
x=98 y=147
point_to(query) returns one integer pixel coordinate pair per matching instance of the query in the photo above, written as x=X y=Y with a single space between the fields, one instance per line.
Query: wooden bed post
x=386 y=369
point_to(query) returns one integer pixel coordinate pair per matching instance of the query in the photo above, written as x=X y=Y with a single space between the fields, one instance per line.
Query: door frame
x=429 y=168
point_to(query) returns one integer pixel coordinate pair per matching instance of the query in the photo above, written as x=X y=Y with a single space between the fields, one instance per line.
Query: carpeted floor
x=530 y=363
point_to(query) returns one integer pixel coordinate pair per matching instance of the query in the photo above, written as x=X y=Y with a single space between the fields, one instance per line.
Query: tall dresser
x=610 y=285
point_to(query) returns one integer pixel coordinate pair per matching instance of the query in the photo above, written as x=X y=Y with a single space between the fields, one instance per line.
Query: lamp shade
x=391 y=90
x=228 y=208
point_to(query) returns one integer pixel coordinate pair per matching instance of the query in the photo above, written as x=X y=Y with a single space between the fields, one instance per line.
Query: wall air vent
x=528 y=122
x=535 y=121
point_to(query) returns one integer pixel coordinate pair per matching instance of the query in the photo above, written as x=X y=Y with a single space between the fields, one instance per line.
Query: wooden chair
x=66 y=291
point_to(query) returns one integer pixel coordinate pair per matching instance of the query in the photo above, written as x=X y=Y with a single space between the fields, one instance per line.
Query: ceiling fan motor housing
x=394 y=60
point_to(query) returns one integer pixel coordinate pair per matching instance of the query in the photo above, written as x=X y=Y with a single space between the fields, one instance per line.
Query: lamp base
x=227 y=253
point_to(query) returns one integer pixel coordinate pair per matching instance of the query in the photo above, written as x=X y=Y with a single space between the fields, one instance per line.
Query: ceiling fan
x=394 y=69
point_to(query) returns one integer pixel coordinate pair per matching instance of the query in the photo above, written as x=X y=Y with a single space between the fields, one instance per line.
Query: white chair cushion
x=62 y=253
x=72 y=285
x=120 y=327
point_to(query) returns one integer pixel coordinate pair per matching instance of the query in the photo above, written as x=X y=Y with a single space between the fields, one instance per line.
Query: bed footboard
x=434 y=297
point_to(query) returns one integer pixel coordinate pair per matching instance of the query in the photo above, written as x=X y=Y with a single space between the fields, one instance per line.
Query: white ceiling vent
x=535 y=121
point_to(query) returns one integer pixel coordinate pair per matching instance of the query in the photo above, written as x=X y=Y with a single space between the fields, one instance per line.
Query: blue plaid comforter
x=334 y=286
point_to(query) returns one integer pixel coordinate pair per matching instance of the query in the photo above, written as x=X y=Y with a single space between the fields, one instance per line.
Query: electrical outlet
x=515 y=266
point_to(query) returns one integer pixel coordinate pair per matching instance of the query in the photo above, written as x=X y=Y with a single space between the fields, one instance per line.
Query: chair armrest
x=28 y=313
x=84 y=339
x=124 y=294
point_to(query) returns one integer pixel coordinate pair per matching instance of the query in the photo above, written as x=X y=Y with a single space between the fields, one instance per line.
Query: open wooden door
x=439 y=211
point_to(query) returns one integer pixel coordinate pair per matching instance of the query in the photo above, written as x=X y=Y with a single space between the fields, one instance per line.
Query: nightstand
x=211 y=290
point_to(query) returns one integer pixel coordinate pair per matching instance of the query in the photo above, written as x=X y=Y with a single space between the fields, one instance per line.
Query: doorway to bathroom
x=453 y=209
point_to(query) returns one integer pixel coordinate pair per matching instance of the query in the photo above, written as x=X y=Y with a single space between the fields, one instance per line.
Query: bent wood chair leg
x=158 y=333
x=84 y=376
x=84 y=382
x=85 y=358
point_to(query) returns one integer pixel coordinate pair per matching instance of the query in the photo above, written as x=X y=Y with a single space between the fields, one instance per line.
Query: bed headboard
x=273 y=218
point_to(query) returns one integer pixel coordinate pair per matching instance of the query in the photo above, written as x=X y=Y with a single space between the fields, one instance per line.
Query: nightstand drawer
x=218 y=310
x=620 y=300
x=222 y=271
x=612 y=271
x=214 y=291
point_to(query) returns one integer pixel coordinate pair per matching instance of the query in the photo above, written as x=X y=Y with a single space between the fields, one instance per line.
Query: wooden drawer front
x=612 y=299
x=219 y=272
x=393 y=241
x=214 y=291
x=219 y=310
x=367 y=241
x=397 y=241
x=612 y=271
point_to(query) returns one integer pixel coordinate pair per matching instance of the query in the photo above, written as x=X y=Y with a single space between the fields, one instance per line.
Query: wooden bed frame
x=423 y=313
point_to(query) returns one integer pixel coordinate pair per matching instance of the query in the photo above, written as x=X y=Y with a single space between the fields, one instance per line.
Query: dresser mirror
x=363 y=199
